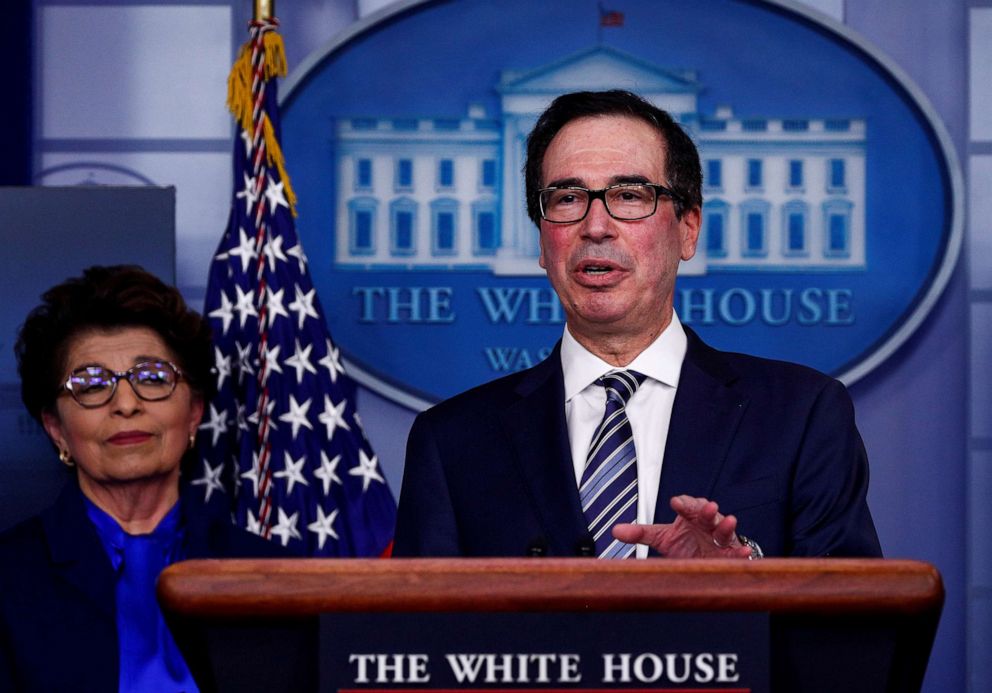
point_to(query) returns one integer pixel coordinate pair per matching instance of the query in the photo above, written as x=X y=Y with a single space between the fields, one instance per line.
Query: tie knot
x=621 y=385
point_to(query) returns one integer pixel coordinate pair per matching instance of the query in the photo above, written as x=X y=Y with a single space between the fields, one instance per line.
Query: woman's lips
x=129 y=437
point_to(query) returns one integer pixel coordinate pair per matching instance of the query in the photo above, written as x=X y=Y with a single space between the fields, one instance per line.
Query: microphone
x=537 y=548
x=586 y=548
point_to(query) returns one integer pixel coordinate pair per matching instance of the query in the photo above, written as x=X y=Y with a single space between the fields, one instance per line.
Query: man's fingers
x=638 y=534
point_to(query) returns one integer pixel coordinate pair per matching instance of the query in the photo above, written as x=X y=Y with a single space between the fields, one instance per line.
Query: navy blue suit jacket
x=57 y=613
x=489 y=472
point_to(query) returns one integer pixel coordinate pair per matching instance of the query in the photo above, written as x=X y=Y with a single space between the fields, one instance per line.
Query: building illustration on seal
x=446 y=192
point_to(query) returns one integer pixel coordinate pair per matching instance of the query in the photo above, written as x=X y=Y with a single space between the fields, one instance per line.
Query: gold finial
x=265 y=9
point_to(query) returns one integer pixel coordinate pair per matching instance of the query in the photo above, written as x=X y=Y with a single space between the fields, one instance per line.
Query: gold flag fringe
x=239 y=100
x=273 y=153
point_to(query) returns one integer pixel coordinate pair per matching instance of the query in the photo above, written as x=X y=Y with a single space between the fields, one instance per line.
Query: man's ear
x=689 y=226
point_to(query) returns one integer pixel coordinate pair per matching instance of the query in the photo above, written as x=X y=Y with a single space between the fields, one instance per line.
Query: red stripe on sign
x=544 y=690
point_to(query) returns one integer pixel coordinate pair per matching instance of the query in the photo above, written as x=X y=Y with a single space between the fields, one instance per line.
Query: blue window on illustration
x=716 y=243
x=363 y=174
x=754 y=173
x=797 y=232
x=796 y=173
x=795 y=214
x=837 y=228
x=837 y=243
x=404 y=232
x=837 y=174
x=715 y=219
x=714 y=173
x=444 y=219
x=445 y=234
x=404 y=174
x=486 y=231
x=361 y=221
x=363 y=229
x=489 y=173
x=445 y=173
x=403 y=214
x=755 y=232
x=754 y=225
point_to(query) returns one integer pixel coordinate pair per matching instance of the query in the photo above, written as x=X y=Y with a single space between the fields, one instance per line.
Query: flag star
x=272 y=359
x=217 y=424
x=367 y=469
x=285 y=529
x=240 y=416
x=253 y=526
x=303 y=305
x=253 y=418
x=333 y=416
x=297 y=252
x=248 y=193
x=222 y=366
x=244 y=250
x=274 y=305
x=297 y=416
x=300 y=360
x=210 y=479
x=254 y=475
x=224 y=312
x=275 y=195
x=323 y=526
x=292 y=472
x=327 y=472
x=332 y=361
x=246 y=138
x=245 y=305
x=244 y=361
x=272 y=250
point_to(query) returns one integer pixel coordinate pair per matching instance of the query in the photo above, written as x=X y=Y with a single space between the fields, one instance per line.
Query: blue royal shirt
x=149 y=657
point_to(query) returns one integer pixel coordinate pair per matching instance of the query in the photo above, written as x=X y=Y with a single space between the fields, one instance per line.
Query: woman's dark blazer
x=57 y=614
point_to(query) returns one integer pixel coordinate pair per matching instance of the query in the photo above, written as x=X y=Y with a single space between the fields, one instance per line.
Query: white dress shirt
x=649 y=410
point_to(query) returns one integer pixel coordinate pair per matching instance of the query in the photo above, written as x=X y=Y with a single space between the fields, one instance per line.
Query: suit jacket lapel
x=705 y=416
x=76 y=551
x=536 y=427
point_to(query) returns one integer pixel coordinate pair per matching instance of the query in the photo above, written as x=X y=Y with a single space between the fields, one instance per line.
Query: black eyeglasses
x=626 y=201
x=94 y=386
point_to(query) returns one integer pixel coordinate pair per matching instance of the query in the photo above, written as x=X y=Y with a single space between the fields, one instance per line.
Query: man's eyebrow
x=634 y=179
x=566 y=183
x=620 y=179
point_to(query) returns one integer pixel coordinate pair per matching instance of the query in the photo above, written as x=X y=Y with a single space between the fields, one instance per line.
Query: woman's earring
x=192 y=440
x=65 y=459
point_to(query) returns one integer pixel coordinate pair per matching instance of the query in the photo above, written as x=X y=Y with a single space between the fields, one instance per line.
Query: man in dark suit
x=624 y=439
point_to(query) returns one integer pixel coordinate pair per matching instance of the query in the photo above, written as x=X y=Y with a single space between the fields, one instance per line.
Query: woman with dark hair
x=116 y=368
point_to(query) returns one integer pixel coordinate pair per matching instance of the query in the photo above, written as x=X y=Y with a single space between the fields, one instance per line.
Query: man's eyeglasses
x=94 y=386
x=626 y=201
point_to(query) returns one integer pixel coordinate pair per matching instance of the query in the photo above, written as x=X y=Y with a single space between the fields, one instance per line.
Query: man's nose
x=598 y=223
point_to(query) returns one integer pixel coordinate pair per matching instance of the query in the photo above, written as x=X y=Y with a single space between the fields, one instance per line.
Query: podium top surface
x=305 y=587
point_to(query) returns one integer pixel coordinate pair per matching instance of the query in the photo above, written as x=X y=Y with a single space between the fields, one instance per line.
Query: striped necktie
x=608 y=489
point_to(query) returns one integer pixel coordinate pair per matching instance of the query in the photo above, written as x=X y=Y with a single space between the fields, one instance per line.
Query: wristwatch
x=756 y=551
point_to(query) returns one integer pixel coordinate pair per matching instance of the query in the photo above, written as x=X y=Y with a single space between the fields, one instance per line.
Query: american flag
x=610 y=17
x=281 y=443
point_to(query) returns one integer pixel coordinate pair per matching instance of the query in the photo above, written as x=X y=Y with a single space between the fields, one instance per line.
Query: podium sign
x=380 y=652
x=856 y=626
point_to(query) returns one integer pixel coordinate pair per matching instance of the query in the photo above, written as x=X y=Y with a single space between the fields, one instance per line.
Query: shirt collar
x=661 y=360
x=168 y=533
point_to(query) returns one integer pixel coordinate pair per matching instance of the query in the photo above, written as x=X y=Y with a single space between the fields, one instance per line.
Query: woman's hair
x=107 y=298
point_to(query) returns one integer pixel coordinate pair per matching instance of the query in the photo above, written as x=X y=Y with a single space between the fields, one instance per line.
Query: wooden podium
x=835 y=624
